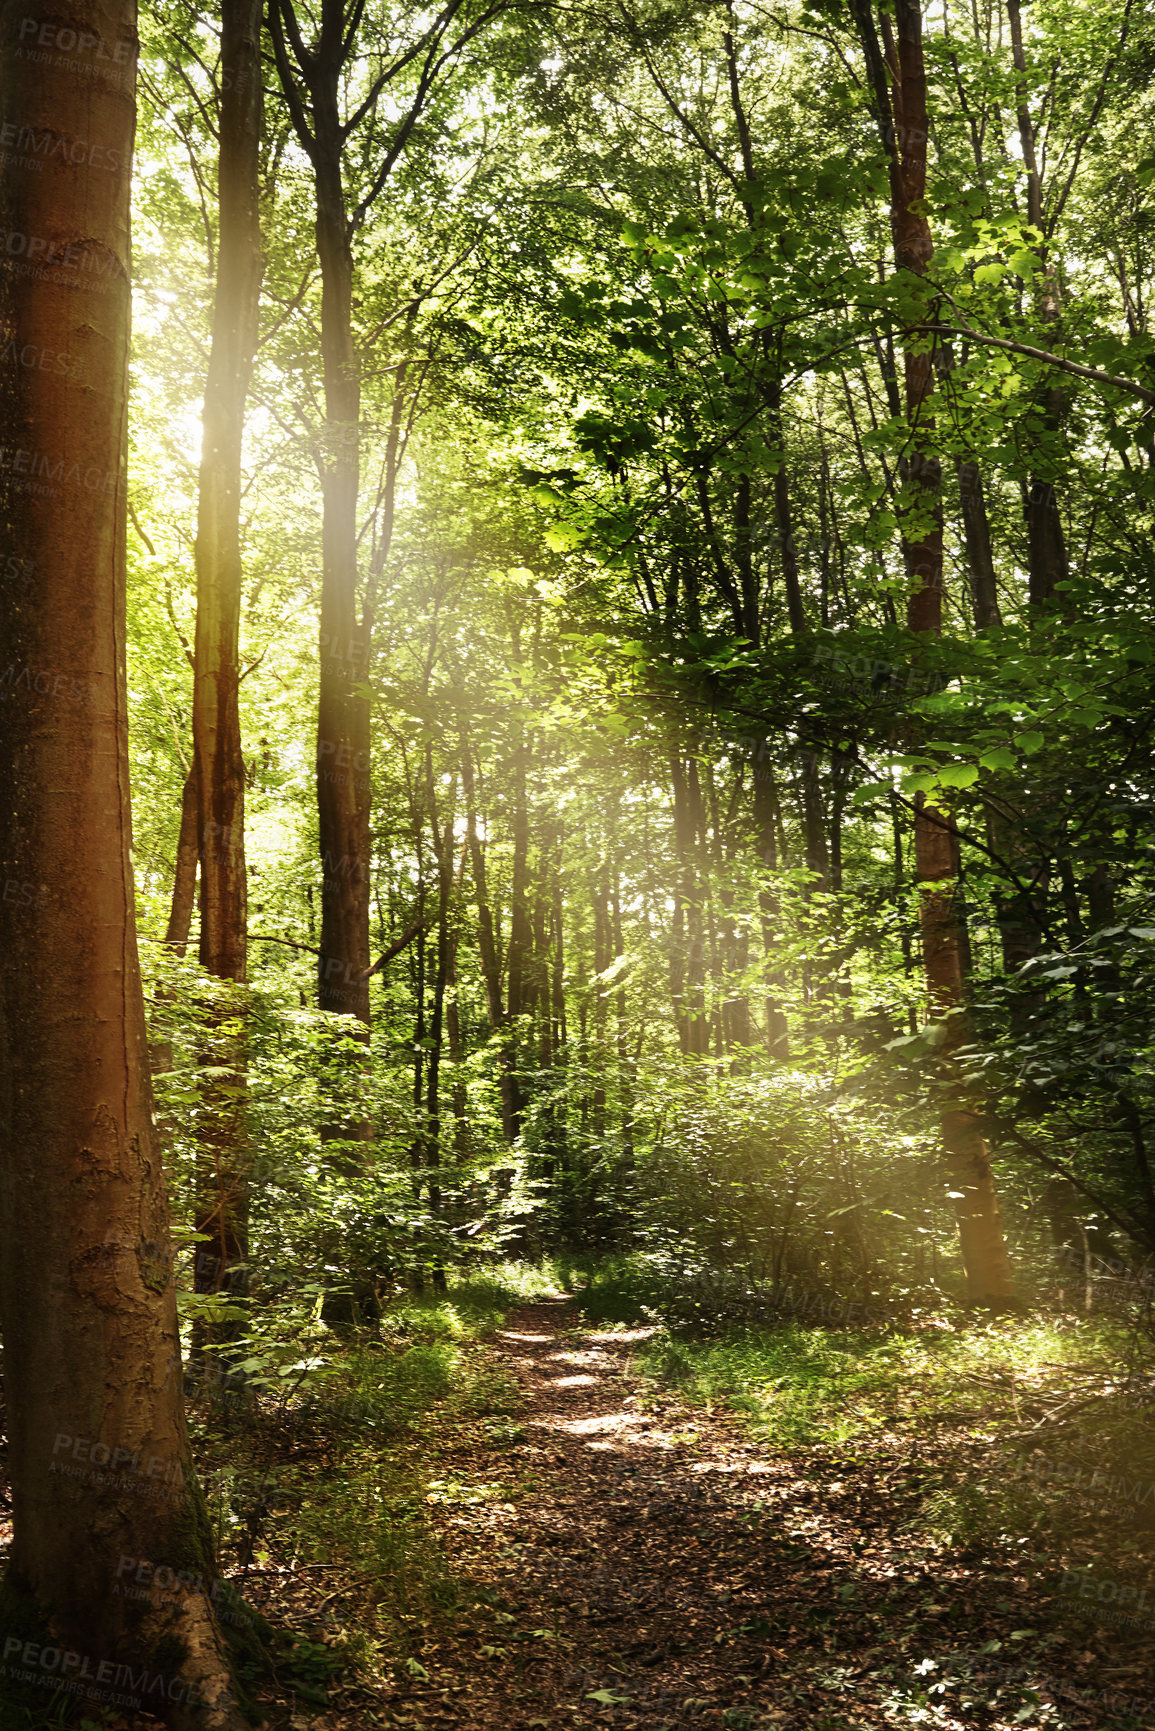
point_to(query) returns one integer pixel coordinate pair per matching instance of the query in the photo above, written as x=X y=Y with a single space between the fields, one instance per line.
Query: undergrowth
x=330 y=1468
x=1013 y=1430
x=1003 y=1428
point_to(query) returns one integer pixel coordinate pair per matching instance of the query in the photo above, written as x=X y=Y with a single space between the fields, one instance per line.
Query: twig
x=358 y=1581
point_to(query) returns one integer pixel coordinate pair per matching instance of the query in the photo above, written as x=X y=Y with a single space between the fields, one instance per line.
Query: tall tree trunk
x=217 y=757
x=551 y=1002
x=688 y=954
x=783 y=523
x=222 y=1198
x=343 y=784
x=813 y=823
x=487 y=942
x=441 y=833
x=603 y=945
x=519 y=957
x=560 y=1031
x=184 y=883
x=87 y=1302
x=765 y=815
x=184 y=880
x=453 y=1036
x=898 y=84
x=321 y=57
x=626 y=1073
x=1046 y=543
x=977 y=541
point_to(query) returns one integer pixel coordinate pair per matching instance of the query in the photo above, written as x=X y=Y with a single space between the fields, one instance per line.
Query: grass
x=475 y=1305
x=801 y=1385
x=1008 y=1427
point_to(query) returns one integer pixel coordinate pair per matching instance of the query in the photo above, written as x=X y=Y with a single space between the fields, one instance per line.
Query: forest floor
x=590 y=1548
x=635 y=1561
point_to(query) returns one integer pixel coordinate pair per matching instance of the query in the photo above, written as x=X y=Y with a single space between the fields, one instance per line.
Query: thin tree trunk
x=487 y=942
x=626 y=1075
x=222 y=1197
x=442 y=836
x=453 y=1032
x=1046 y=543
x=977 y=540
x=603 y=943
x=688 y=959
x=520 y=950
x=814 y=824
x=456 y=1058
x=784 y=526
x=765 y=813
x=217 y=756
x=184 y=881
x=560 y=1030
x=87 y=1302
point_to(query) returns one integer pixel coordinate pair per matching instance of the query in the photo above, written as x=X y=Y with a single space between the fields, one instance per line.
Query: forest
x=577 y=879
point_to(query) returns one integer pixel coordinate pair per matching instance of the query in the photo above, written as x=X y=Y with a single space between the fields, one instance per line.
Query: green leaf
x=1029 y=742
x=606 y=1697
x=1024 y=263
x=998 y=758
x=959 y=775
x=563 y=538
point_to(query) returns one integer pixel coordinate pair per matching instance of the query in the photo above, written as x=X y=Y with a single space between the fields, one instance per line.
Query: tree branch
x=1075 y=367
x=395 y=948
x=289 y=943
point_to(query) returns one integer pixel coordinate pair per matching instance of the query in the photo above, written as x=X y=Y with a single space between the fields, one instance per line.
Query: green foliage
x=801 y=1385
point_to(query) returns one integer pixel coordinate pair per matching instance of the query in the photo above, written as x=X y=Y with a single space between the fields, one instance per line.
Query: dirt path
x=648 y=1566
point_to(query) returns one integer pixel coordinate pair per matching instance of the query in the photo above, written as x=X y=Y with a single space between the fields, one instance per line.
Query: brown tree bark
x=813 y=822
x=87 y=1304
x=688 y=950
x=519 y=954
x=766 y=816
x=218 y=762
x=599 y=1056
x=312 y=82
x=441 y=833
x=217 y=757
x=184 y=881
x=487 y=939
x=627 y=1077
x=313 y=57
x=977 y=541
x=343 y=784
x=898 y=84
x=1046 y=543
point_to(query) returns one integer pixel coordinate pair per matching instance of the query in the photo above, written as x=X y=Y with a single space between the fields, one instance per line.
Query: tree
x=898 y=83
x=313 y=76
x=218 y=760
x=87 y=1302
